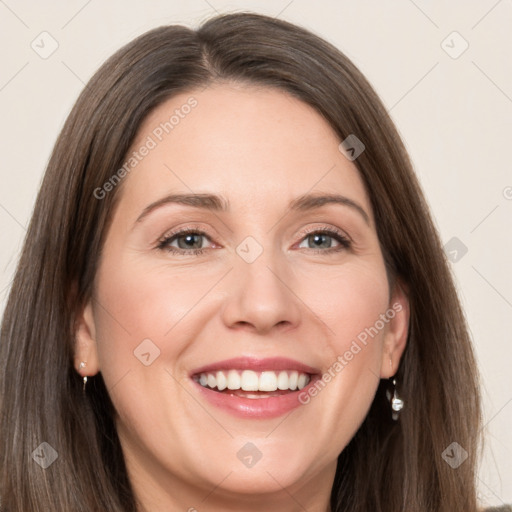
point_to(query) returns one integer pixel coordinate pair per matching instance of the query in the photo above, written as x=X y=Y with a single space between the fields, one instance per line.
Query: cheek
x=350 y=301
x=149 y=300
x=136 y=304
x=141 y=333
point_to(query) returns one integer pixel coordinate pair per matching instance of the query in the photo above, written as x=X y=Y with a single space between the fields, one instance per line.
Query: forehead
x=248 y=143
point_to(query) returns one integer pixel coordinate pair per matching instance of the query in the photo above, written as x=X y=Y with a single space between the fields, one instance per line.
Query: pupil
x=319 y=238
x=189 y=241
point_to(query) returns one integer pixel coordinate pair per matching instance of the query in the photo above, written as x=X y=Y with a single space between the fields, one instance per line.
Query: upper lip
x=257 y=365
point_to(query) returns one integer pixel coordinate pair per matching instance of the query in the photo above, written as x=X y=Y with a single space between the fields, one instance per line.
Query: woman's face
x=276 y=293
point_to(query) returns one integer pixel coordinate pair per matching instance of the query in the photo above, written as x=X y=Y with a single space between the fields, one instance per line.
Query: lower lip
x=262 y=408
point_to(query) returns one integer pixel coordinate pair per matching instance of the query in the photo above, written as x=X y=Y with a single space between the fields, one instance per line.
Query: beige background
x=455 y=115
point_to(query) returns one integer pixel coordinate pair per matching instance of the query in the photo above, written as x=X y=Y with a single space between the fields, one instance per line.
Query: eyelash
x=163 y=243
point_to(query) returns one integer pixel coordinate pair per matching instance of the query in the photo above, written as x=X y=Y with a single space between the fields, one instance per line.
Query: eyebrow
x=215 y=203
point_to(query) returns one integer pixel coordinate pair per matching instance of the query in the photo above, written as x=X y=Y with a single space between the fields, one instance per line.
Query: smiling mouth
x=252 y=384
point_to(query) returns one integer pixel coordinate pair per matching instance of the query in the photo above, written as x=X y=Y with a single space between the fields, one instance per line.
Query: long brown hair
x=388 y=466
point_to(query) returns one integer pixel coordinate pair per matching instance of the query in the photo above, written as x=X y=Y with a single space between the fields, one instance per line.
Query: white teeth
x=222 y=382
x=292 y=382
x=268 y=381
x=303 y=380
x=233 y=379
x=248 y=380
x=282 y=380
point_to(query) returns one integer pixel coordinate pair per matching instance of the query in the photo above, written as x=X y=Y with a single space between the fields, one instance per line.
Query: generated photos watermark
x=343 y=360
x=151 y=142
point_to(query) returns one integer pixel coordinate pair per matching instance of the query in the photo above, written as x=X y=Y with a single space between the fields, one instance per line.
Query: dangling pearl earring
x=83 y=364
x=397 y=404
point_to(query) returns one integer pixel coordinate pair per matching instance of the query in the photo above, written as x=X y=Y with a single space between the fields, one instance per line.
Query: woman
x=232 y=296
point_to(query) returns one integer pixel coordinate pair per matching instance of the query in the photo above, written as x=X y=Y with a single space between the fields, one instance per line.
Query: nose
x=261 y=296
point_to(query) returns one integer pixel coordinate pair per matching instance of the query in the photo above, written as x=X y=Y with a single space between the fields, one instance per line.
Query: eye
x=189 y=241
x=185 y=241
x=325 y=240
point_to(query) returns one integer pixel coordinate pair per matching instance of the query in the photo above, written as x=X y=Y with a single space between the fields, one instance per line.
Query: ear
x=86 y=350
x=395 y=338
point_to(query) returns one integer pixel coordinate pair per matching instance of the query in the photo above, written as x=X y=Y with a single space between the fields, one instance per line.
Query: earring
x=83 y=364
x=397 y=404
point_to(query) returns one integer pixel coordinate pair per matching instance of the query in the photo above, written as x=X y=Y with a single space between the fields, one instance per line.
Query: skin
x=259 y=148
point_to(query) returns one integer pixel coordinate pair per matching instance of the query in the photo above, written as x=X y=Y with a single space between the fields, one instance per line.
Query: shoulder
x=504 y=508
